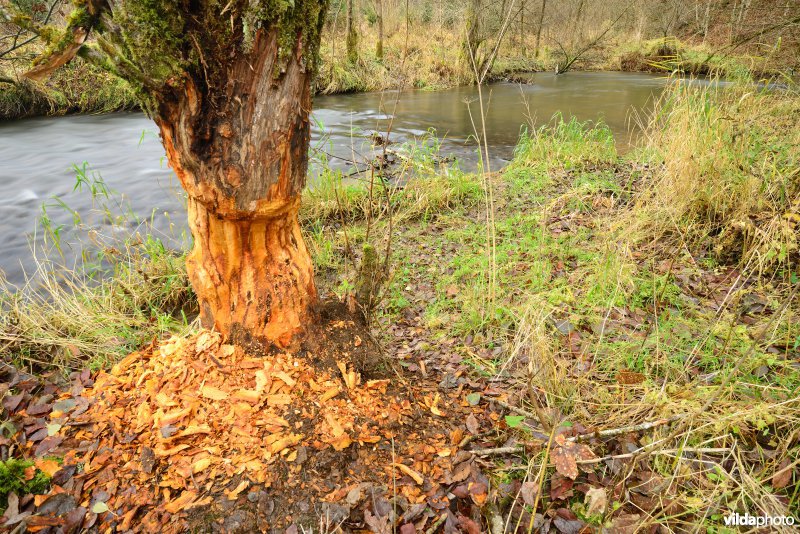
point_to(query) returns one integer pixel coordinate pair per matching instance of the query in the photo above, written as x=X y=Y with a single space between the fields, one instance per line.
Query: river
x=37 y=155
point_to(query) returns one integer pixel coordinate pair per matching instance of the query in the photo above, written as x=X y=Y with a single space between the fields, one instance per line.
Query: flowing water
x=38 y=156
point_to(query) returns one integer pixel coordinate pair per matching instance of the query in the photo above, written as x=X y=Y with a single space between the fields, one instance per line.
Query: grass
x=75 y=88
x=621 y=301
x=125 y=290
x=672 y=55
x=728 y=179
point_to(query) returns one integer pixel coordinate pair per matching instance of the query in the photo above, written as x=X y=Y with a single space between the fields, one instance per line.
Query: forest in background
x=371 y=45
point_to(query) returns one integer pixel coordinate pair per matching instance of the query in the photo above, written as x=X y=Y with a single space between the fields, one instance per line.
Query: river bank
x=424 y=62
x=617 y=335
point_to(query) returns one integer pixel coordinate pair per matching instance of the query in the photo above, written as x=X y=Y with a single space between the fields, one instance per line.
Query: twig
x=436 y=524
x=665 y=452
x=515 y=409
x=626 y=429
x=497 y=450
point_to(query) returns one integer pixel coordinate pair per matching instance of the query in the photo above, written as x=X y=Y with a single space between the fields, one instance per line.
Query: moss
x=22 y=478
x=153 y=35
x=293 y=19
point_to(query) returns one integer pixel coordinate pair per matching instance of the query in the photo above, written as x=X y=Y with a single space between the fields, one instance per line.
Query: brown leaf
x=783 y=475
x=472 y=424
x=565 y=462
x=529 y=491
x=468 y=525
x=12 y=515
x=47 y=445
x=560 y=487
x=49 y=467
x=596 y=501
x=377 y=524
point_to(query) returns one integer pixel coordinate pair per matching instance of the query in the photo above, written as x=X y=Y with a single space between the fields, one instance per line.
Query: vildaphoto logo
x=747 y=520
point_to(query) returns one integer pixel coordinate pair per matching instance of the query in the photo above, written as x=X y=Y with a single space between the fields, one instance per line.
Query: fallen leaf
x=472 y=424
x=179 y=504
x=243 y=485
x=596 y=501
x=99 y=508
x=783 y=474
x=529 y=490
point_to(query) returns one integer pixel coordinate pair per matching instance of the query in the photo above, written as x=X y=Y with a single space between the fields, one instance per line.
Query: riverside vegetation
x=423 y=44
x=631 y=320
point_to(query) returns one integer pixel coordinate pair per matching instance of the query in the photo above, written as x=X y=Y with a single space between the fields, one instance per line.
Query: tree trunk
x=352 y=34
x=379 y=47
x=242 y=158
x=539 y=28
x=472 y=36
x=522 y=30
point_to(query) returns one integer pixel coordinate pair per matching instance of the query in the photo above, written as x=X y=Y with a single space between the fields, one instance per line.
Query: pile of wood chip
x=174 y=424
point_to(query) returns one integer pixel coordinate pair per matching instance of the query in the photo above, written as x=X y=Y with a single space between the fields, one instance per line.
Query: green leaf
x=473 y=399
x=99 y=507
x=514 y=420
x=53 y=428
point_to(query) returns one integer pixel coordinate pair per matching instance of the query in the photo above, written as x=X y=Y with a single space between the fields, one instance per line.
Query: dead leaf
x=47 y=466
x=232 y=495
x=783 y=474
x=529 y=490
x=472 y=424
x=596 y=501
x=566 y=454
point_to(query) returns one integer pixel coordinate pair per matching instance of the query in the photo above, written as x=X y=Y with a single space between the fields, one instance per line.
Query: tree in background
x=379 y=22
x=228 y=84
x=539 y=26
x=352 y=33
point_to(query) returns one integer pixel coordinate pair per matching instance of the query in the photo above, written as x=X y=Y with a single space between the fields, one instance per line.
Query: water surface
x=37 y=155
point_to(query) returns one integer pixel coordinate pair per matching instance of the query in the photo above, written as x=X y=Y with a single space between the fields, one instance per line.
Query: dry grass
x=729 y=180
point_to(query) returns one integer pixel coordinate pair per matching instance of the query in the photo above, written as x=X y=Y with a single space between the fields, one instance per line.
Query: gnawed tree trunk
x=244 y=168
x=228 y=84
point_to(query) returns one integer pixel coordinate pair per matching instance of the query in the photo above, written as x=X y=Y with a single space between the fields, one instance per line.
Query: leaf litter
x=192 y=432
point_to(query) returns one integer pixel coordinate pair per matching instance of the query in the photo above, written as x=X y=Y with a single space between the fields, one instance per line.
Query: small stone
x=252 y=496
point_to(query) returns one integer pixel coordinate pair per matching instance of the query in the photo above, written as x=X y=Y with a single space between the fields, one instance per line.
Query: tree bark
x=352 y=33
x=539 y=28
x=379 y=47
x=472 y=35
x=242 y=158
